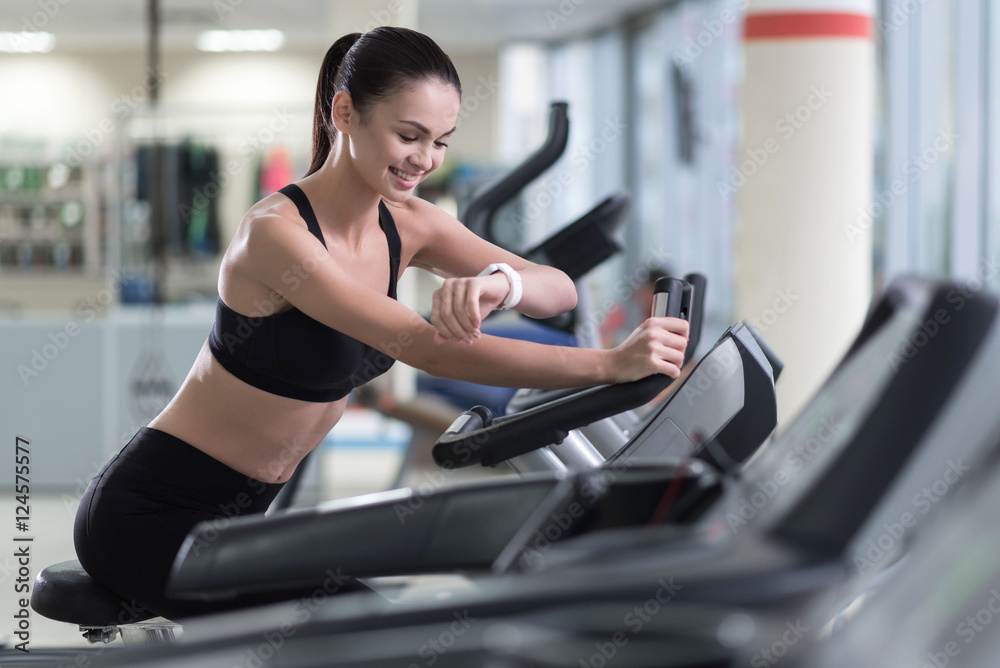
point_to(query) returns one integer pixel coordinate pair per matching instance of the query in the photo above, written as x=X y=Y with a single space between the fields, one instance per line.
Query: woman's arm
x=287 y=259
x=449 y=249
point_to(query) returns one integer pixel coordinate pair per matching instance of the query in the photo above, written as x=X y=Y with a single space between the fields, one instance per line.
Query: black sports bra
x=291 y=354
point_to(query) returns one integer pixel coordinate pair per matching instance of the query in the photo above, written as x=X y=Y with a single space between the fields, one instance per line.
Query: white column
x=803 y=182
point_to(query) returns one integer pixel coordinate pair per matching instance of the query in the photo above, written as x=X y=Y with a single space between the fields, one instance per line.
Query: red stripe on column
x=807 y=24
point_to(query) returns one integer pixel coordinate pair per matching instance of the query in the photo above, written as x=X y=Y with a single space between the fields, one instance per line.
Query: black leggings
x=138 y=509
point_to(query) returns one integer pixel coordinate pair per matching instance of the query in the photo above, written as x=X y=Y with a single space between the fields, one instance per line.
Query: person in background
x=613 y=329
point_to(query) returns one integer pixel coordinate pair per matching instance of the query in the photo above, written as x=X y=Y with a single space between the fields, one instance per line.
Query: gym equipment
x=911 y=395
x=576 y=249
x=438 y=537
x=598 y=440
x=939 y=605
x=479 y=214
x=481 y=527
x=713 y=400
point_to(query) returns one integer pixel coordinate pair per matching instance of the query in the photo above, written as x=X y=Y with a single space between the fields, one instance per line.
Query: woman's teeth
x=406 y=176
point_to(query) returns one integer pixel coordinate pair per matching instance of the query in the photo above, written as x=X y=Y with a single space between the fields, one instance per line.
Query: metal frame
x=156 y=631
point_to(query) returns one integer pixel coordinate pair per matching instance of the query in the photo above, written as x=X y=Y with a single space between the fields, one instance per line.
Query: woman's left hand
x=460 y=305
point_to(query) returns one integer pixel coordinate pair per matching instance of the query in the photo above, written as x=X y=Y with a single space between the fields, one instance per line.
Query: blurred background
x=798 y=153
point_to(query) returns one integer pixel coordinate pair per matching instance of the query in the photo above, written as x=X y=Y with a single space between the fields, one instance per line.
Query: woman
x=307 y=311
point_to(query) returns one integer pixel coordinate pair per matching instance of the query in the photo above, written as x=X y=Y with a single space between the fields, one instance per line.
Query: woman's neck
x=340 y=197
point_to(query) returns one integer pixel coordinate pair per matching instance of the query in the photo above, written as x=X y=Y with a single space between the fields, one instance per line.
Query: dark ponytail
x=371 y=67
x=323 y=130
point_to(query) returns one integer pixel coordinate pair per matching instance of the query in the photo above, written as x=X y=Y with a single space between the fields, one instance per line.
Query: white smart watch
x=513 y=278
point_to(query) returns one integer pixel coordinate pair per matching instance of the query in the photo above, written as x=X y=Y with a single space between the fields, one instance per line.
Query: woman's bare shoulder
x=275 y=211
x=275 y=206
x=260 y=225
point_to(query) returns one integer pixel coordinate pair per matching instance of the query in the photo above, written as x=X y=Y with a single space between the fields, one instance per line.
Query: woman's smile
x=408 y=179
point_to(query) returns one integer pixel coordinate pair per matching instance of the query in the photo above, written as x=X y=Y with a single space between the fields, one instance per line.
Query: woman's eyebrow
x=425 y=130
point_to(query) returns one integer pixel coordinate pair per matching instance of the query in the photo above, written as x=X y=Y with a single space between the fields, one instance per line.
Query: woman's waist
x=257 y=433
x=264 y=446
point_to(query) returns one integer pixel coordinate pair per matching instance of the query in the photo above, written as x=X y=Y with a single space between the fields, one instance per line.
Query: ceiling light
x=241 y=40
x=27 y=42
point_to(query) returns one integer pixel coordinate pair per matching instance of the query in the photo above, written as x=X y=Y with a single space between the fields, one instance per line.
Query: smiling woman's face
x=403 y=138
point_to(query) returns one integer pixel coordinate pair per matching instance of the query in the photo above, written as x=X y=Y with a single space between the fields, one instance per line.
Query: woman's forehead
x=433 y=104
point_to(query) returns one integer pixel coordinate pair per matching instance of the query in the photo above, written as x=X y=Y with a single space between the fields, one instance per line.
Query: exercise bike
x=66 y=593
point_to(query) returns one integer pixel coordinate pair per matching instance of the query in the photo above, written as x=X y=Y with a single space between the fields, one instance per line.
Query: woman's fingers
x=455 y=311
x=656 y=346
x=677 y=326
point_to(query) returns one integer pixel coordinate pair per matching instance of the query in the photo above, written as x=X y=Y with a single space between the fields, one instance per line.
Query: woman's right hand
x=655 y=346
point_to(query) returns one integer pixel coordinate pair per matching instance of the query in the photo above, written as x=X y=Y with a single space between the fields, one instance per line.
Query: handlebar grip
x=476 y=438
x=699 y=284
x=668 y=298
x=475 y=418
x=515 y=434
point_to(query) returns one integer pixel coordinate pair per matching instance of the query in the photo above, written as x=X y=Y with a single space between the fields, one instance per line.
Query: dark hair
x=371 y=67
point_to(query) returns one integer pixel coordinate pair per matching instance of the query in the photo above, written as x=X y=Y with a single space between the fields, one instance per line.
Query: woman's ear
x=342 y=111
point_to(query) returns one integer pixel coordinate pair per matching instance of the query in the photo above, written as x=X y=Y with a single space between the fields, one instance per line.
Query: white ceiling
x=467 y=25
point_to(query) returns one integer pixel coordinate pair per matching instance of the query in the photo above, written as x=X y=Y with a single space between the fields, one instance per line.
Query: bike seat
x=66 y=593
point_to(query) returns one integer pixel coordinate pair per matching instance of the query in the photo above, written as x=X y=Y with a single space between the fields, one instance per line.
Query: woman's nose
x=421 y=158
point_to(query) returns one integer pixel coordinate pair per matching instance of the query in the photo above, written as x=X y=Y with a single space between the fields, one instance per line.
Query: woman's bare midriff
x=259 y=434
